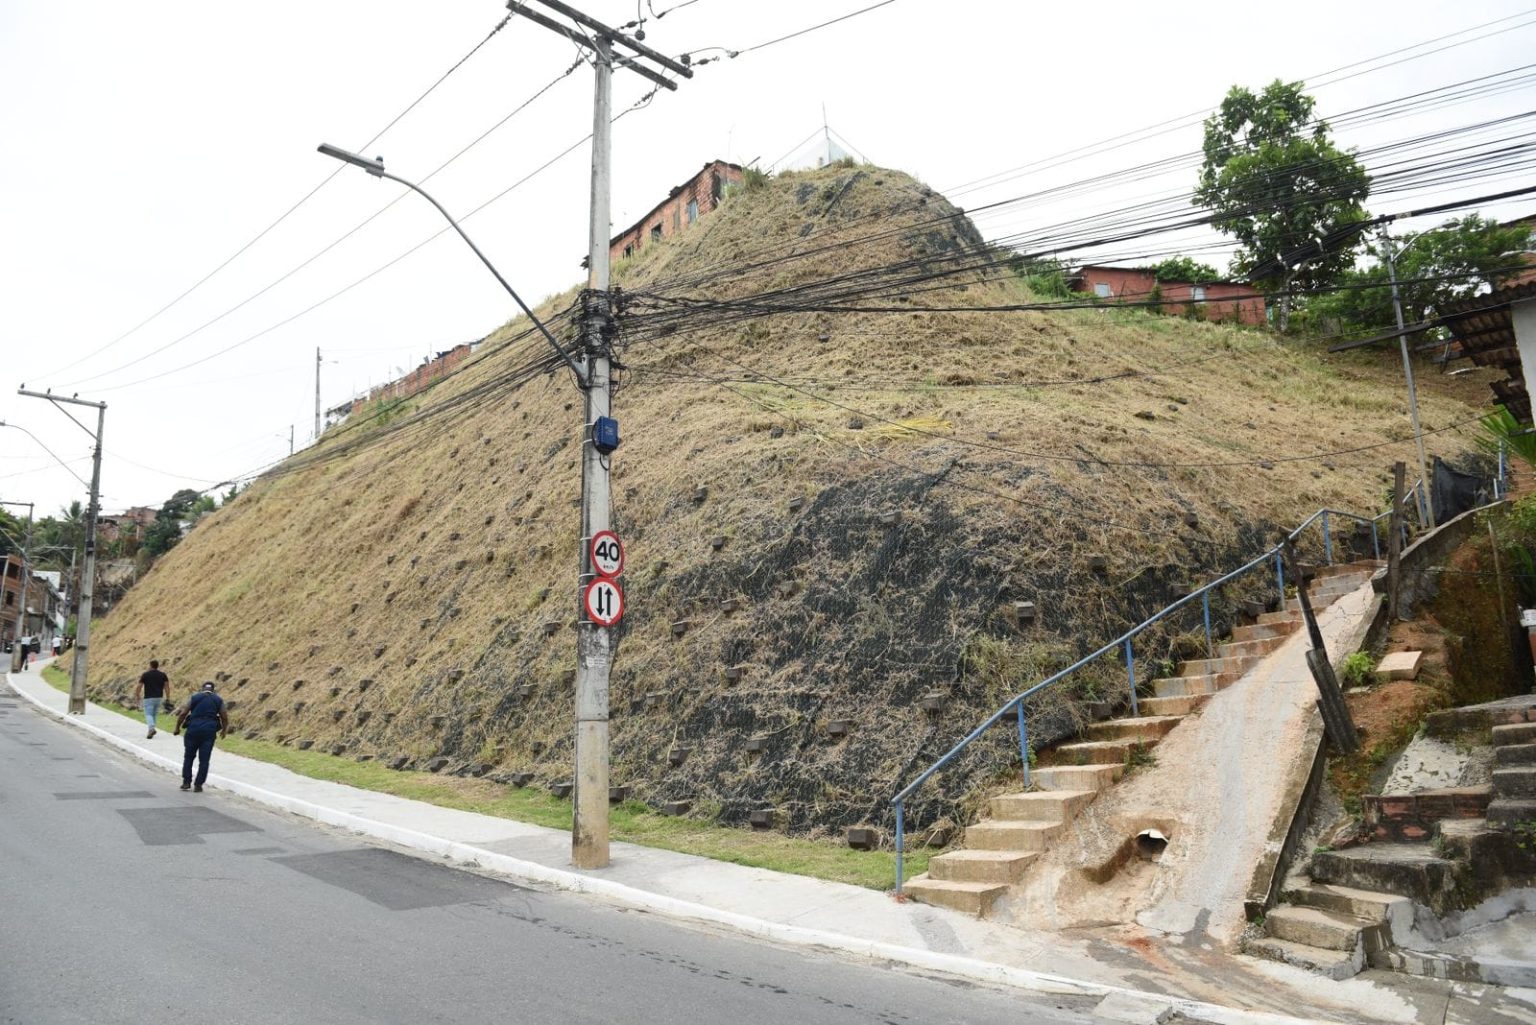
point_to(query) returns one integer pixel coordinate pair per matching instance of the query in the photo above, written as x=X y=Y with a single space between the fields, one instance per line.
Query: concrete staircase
x=1435 y=851
x=1195 y=681
x=1514 y=775
x=1020 y=826
x=1330 y=928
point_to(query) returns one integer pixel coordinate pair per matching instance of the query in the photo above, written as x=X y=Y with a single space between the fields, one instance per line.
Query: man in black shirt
x=203 y=716
x=154 y=689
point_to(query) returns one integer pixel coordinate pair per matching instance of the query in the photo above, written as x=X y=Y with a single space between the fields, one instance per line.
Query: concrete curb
x=789 y=935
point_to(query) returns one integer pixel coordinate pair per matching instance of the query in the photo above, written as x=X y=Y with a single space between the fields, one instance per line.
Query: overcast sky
x=141 y=145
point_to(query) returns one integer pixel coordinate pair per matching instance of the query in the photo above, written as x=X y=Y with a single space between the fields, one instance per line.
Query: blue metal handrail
x=1125 y=641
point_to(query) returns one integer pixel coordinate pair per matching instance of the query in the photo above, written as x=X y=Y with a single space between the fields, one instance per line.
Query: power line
x=285 y=214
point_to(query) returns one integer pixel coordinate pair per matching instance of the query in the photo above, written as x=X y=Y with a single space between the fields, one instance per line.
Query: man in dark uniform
x=204 y=717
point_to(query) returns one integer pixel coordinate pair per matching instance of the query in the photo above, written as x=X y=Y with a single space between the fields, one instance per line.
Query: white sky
x=143 y=144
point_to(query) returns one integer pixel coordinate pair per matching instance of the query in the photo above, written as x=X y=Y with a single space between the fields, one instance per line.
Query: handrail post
x=900 y=844
x=1376 y=539
x=1500 y=484
x=1205 y=602
x=1023 y=744
x=1327 y=539
x=1280 y=577
x=1130 y=671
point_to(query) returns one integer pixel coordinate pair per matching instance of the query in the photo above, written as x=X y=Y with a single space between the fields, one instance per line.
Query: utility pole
x=290 y=439
x=1426 y=499
x=88 y=582
x=21 y=598
x=594 y=644
x=317 y=395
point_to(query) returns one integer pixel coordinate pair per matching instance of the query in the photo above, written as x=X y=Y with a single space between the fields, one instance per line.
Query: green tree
x=1184 y=269
x=1275 y=181
x=1434 y=268
x=162 y=536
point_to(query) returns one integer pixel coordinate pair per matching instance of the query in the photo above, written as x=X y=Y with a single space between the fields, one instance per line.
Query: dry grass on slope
x=415 y=598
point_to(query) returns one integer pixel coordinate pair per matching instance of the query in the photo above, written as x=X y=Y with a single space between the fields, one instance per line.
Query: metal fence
x=1125 y=643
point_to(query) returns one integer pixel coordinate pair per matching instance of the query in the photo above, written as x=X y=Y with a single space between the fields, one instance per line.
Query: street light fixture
x=375 y=167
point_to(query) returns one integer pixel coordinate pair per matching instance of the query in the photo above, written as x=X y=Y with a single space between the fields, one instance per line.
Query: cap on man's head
x=207 y=685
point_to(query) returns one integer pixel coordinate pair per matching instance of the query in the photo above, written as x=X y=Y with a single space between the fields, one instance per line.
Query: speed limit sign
x=604 y=601
x=607 y=554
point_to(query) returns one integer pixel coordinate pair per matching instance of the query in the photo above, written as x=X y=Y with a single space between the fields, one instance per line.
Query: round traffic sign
x=604 y=601
x=607 y=554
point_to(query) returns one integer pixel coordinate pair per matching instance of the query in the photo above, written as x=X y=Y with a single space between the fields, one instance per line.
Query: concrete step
x=1514 y=733
x=1283 y=616
x=1363 y=569
x=1515 y=781
x=1265 y=631
x=1208 y=666
x=1410 y=869
x=980 y=866
x=1092 y=752
x=1013 y=836
x=1174 y=704
x=1368 y=905
x=1146 y=728
x=1040 y=806
x=1192 y=686
x=973 y=898
x=1517 y=972
x=1507 y=754
x=1076 y=777
x=1334 y=964
x=1249 y=649
x=1504 y=812
x=1315 y=927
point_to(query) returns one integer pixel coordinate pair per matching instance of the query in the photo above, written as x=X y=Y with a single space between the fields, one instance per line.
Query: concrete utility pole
x=21 y=598
x=1426 y=497
x=88 y=582
x=594 y=644
x=317 y=393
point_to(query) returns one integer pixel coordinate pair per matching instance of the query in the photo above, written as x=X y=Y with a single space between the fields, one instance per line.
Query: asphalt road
x=125 y=900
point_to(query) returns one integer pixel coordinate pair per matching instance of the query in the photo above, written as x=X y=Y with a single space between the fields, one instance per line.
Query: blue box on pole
x=605 y=434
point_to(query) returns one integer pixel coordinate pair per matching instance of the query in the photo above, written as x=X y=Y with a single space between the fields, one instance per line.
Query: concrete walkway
x=1139 y=980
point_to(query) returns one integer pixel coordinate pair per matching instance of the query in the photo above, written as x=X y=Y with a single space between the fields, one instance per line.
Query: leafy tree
x=1183 y=268
x=1434 y=268
x=14 y=528
x=166 y=531
x=1275 y=181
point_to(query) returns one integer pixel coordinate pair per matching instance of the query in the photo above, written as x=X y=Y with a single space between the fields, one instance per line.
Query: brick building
x=684 y=204
x=430 y=372
x=40 y=599
x=1221 y=300
x=131 y=524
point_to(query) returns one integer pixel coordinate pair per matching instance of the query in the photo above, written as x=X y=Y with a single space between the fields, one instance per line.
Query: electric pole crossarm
x=618 y=37
x=584 y=41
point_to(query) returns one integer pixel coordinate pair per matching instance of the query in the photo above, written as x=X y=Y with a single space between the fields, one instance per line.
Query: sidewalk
x=1139 y=979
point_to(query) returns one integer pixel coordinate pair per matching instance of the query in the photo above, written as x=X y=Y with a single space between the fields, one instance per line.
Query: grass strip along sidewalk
x=631 y=822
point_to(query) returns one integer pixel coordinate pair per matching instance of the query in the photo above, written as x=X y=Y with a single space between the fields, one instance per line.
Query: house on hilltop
x=684 y=205
x=1220 y=300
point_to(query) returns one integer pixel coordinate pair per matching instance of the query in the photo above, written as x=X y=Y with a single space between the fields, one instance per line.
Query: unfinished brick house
x=1219 y=300
x=428 y=373
x=684 y=204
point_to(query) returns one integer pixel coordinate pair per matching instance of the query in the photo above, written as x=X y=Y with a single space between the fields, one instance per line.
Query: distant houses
x=1209 y=300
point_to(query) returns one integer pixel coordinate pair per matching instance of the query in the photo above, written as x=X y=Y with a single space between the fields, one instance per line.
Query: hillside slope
x=838 y=507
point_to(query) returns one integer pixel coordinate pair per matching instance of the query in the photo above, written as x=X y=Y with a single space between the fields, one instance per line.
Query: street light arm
x=376 y=168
